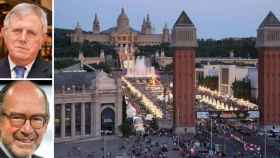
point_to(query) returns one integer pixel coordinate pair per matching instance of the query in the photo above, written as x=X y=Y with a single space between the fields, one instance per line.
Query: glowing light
x=219 y=104
x=147 y=102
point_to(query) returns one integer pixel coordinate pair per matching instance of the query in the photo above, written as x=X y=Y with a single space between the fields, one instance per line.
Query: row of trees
x=242 y=47
x=210 y=82
x=240 y=88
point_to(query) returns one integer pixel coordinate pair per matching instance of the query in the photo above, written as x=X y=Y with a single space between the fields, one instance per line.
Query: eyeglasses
x=18 y=120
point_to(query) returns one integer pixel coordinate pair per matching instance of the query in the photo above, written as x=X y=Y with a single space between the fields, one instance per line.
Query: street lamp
x=264 y=142
x=211 y=138
x=211 y=133
x=104 y=145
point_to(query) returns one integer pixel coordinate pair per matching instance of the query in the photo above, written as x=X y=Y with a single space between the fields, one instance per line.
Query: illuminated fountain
x=140 y=68
x=152 y=108
x=224 y=106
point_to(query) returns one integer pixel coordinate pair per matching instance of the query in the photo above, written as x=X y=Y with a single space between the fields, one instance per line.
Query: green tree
x=210 y=82
x=124 y=108
x=242 y=89
x=64 y=63
x=126 y=128
x=169 y=67
x=242 y=47
x=154 y=124
x=101 y=66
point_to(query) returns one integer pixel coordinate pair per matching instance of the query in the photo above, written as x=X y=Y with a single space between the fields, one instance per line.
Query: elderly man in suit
x=24 y=32
x=24 y=116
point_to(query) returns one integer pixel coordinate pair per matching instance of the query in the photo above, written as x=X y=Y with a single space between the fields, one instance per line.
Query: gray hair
x=24 y=9
x=8 y=86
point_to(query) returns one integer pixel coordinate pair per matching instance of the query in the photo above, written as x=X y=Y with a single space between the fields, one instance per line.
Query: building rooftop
x=270 y=20
x=183 y=20
x=75 y=78
x=113 y=29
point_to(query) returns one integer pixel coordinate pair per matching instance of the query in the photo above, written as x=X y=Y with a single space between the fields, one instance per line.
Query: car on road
x=245 y=132
x=138 y=125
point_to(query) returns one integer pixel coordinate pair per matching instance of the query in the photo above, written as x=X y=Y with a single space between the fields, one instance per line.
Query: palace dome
x=123 y=21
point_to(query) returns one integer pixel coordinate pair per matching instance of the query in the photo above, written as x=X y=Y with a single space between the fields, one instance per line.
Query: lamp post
x=211 y=138
x=104 y=145
x=264 y=142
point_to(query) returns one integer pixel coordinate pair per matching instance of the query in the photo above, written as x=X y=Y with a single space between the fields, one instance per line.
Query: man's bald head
x=24 y=116
x=22 y=88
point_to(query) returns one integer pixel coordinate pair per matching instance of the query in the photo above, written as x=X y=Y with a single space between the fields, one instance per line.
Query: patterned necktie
x=19 y=71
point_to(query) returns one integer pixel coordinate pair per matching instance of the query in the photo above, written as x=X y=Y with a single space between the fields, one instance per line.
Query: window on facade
x=57 y=120
x=79 y=88
x=87 y=118
x=78 y=118
x=68 y=89
x=225 y=75
x=58 y=90
x=68 y=119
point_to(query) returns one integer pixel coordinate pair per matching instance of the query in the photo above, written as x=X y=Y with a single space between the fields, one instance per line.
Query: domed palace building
x=122 y=35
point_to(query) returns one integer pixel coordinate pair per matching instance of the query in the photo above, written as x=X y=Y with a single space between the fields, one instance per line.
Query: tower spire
x=184 y=42
x=183 y=20
x=143 y=28
x=165 y=34
x=78 y=25
x=96 y=21
x=270 y=20
x=147 y=25
x=184 y=32
x=268 y=46
x=268 y=32
x=148 y=18
x=122 y=11
x=96 y=24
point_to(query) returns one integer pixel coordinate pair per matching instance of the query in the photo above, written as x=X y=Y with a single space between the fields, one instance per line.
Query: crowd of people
x=163 y=144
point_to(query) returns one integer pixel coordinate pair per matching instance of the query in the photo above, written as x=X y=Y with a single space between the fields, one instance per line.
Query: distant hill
x=241 y=47
x=64 y=48
x=60 y=38
x=62 y=45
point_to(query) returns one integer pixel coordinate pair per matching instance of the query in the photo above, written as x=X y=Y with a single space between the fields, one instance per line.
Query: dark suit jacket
x=40 y=69
x=3 y=155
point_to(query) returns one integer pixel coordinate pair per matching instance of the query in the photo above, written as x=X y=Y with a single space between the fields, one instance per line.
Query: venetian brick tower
x=184 y=41
x=268 y=44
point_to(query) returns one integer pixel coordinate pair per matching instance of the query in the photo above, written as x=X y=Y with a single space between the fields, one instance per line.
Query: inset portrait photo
x=26 y=39
x=26 y=119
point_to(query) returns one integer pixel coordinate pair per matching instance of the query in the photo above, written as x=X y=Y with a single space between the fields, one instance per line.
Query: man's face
x=24 y=37
x=24 y=140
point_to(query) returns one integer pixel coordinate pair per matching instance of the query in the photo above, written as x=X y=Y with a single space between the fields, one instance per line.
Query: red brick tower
x=184 y=42
x=268 y=44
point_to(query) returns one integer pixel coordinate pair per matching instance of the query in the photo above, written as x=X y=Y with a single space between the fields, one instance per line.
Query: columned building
x=122 y=35
x=268 y=44
x=87 y=104
x=184 y=40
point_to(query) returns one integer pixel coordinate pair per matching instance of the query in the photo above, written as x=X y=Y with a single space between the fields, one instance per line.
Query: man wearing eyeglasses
x=24 y=33
x=24 y=115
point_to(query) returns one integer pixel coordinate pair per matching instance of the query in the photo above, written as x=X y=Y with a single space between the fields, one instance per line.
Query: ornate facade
x=122 y=35
x=87 y=104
